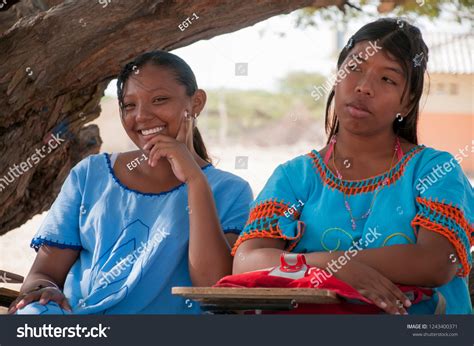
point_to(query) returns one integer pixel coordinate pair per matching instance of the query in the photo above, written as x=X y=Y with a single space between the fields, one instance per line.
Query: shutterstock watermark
x=48 y=331
x=128 y=261
x=320 y=275
x=16 y=171
x=440 y=171
x=352 y=63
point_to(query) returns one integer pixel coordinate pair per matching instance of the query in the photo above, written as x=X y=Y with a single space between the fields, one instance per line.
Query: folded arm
x=431 y=262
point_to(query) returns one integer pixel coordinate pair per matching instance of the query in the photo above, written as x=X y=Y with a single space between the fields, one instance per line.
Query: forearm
x=34 y=279
x=409 y=264
x=209 y=253
x=256 y=259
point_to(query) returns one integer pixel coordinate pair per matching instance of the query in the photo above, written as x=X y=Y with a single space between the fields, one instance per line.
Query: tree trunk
x=57 y=59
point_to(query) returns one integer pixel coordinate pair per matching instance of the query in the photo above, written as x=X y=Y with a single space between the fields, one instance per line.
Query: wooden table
x=10 y=278
x=232 y=300
x=7 y=296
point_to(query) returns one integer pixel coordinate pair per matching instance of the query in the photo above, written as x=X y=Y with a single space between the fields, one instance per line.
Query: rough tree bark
x=57 y=58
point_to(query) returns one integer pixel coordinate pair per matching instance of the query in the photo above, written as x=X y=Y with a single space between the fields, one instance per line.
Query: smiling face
x=155 y=102
x=368 y=98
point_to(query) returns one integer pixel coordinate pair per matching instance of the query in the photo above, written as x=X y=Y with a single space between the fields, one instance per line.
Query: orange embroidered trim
x=271 y=210
x=460 y=250
x=449 y=211
x=365 y=185
x=264 y=234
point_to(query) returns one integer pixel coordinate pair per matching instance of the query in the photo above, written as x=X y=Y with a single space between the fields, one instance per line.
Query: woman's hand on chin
x=178 y=151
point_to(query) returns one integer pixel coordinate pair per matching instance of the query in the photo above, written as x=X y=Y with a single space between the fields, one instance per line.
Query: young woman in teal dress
x=397 y=211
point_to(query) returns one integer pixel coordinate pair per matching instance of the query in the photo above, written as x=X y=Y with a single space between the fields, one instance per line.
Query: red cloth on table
x=300 y=275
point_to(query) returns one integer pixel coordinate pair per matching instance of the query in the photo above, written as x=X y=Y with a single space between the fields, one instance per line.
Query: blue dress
x=303 y=203
x=133 y=246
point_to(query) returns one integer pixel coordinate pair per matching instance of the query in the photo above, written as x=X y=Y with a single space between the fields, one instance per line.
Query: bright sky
x=269 y=55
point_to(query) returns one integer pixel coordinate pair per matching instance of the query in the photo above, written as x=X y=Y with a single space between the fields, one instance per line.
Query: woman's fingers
x=64 y=304
x=376 y=287
x=402 y=300
x=157 y=139
x=384 y=299
x=55 y=296
x=158 y=151
x=12 y=308
x=396 y=297
x=185 y=131
x=182 y=131
x=393 y=304
x=158 y=143
x=154 y=156
x=389 y=298
x=27 y=299
x=46 y=296
x=43 y=296
x=375 y=298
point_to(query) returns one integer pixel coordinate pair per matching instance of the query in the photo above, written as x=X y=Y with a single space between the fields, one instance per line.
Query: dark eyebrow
x=391 y=68
x=149 y=90
x=394 y=69
x=159 y=88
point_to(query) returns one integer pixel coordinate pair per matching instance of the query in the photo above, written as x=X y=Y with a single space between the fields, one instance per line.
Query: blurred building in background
x=447 y=121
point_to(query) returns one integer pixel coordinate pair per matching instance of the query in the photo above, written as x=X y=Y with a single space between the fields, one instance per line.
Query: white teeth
x=152 y=131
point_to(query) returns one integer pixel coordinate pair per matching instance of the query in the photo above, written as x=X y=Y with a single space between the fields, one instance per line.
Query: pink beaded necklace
x=331 y=150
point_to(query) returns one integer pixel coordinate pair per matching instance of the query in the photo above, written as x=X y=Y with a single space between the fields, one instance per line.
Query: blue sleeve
x=276 y=211
x=236 y=215
x=445 y=202
x=60 y=228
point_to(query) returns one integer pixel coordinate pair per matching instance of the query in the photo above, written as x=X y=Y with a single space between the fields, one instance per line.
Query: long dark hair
x=405 y=43
x=184 y=75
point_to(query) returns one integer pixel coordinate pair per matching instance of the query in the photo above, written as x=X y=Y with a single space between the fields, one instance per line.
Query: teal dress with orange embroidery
x=303 y=203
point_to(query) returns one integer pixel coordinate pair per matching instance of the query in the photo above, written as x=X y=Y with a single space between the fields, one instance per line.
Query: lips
x=358 y=110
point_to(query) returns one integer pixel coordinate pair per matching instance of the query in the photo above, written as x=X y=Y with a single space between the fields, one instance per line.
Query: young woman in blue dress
x=128 y=227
